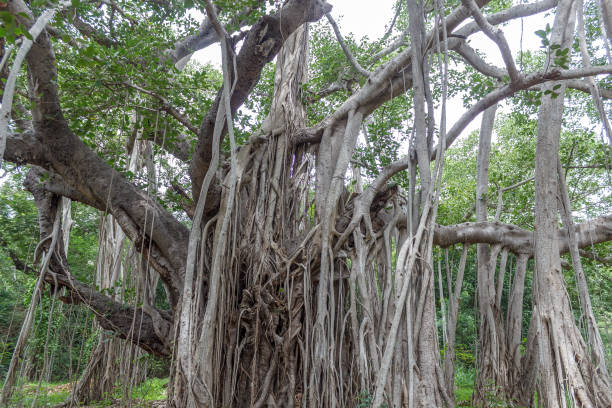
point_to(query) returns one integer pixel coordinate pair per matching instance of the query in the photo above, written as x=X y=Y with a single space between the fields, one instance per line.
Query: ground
x=152 y=393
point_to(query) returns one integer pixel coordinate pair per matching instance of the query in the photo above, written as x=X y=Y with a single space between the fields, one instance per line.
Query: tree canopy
x=304 y=225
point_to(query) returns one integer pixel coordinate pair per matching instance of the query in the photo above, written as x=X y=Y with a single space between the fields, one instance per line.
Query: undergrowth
x=55 y=394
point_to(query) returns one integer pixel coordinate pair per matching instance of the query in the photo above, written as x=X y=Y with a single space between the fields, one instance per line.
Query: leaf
x=541 y=33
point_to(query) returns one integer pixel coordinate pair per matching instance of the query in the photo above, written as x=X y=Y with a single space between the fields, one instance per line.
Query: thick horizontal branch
x=149 y=330
x=518 y=240
x=205 y=37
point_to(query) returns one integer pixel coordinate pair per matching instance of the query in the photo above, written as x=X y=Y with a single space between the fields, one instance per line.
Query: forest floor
x=149 y=394
x=152 y=394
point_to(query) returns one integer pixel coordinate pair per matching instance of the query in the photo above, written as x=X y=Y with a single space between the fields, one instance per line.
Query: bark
x=492 y=370
x=449 y=354
x=566 y=371
x=266 y=308
x=593 y=336
x=515 y=324
x=520 y=241
x=261 y=45
x=118 y=270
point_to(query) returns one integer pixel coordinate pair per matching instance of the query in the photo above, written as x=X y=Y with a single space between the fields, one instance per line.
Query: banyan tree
x=292 y=276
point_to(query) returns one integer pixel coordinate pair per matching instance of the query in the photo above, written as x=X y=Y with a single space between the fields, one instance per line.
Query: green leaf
x=541 y=33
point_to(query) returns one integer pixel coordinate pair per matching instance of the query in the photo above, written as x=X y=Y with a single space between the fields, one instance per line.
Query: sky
x=363 y=17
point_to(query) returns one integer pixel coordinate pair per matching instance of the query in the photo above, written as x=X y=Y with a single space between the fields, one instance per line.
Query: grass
x=53 y=394
x=153 y=389
x=49 y=395
x=464 y=386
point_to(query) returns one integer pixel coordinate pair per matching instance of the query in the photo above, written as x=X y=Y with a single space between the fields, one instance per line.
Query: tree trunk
x=492 y=368
x=449 y=355
x=567 y=375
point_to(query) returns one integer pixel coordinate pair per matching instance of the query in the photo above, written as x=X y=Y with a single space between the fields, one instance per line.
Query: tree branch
x=140 y=216
x=146 y=330
x=88 y=30
x=496 y=35
x=260 y=46
x=345 y=48
x=205 y=37
x=166 y=106
x=518 y=240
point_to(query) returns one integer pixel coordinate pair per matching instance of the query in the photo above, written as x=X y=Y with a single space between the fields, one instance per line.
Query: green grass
x=153 y=389
x=49 y=395
x=464 y=386
x=53 y=394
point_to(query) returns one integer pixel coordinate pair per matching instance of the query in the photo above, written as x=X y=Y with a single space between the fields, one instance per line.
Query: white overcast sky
x=362 y=18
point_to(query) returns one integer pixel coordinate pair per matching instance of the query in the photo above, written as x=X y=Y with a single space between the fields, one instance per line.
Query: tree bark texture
x=292 y=289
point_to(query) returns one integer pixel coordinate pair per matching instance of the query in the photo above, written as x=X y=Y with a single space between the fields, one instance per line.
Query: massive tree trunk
x=260 y=311
x=567 y=375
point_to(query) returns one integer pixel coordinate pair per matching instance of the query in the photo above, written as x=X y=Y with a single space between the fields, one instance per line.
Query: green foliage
x=151 y=390
x=56 y=393
x=60 y=340
x=49 y=395
x=464 y=385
